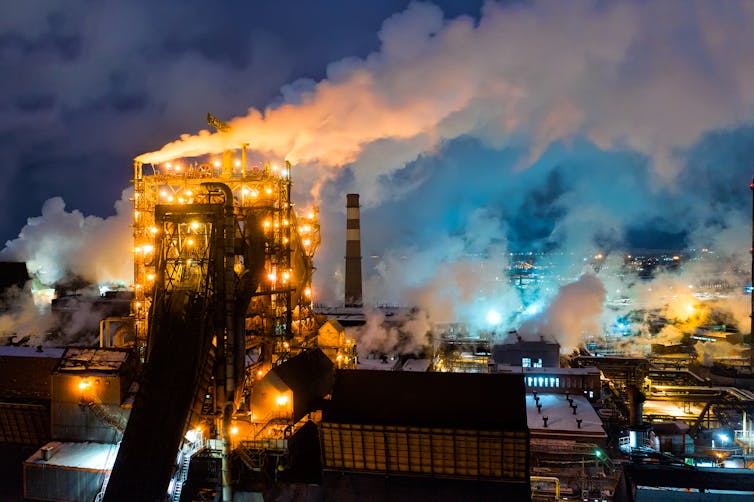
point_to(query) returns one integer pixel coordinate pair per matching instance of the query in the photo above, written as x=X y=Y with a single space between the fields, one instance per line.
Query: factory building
x=439 y=436
x=528 y=354
x=91 y=394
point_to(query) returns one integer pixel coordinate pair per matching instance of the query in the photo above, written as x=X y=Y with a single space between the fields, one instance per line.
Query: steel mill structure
x=222 y=269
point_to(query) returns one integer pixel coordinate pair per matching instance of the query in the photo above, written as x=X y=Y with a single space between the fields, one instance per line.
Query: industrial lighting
x=493 y=317
x=282 y=399
x=194 y=225
x=189 y=193
x=237 y=163
x=217 y=163
x=189 y=242
x=234 y=430
x=308 y=292
x=150 y=277
x=84 y=384
x=307 y=242
x=268 y=190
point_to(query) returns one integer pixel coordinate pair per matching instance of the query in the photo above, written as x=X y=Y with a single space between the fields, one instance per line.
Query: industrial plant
x=216 y=377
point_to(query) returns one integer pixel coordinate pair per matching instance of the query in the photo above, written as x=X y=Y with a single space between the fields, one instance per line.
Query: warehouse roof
x=452 y=400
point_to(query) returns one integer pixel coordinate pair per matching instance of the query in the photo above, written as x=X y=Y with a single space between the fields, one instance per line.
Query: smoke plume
x=60 y=244
x=574 y=312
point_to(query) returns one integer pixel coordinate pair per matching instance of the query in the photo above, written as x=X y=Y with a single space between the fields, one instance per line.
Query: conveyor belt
x=169 y=390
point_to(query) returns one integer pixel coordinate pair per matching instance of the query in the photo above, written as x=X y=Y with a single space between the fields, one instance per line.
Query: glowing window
x=538 y=363
x=526 y=362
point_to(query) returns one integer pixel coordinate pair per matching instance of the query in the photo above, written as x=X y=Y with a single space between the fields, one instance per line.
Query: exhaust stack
x=353 y=252
x=751 y=293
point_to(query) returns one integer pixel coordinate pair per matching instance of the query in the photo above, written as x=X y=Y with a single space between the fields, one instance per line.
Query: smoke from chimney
x=353 y=296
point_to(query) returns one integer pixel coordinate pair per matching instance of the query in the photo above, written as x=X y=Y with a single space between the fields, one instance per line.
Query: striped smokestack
x=353 y=252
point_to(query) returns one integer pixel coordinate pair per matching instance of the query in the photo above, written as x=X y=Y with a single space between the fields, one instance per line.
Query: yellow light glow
x=163 y=193
x=150 y=277
x=266 y=224
x=234 y=430
x=181 y=200
x=153 y=230
x=189 y=242
x=307 y=242
x=194 y=225
x=148 y=248
x=189 y=261
x=170 y=198
x=275 y=167
x=310 y=215
x=237 y=163
x=84 y=384
x=308 y=292
x=177 y=167
x=306 y=229
x=259 y=373
x=285 y=240
x=271 y=276
x=244 y=190
x=286 y=275
x=189 y=193
x=168 y=165
x=285 y=223
x=282 y=399
x=268 y=190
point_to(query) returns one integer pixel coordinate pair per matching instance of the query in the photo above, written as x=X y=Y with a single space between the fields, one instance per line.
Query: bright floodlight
x=493 y=317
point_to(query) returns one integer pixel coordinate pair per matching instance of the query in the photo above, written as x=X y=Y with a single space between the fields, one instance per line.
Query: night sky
x=469 y=128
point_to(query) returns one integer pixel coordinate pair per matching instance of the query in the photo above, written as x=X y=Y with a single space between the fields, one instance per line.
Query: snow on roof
x=560 y=415
x=78 y=359
x=417 y=365
x=390 y=363
x=11 y=351
x=91 y=456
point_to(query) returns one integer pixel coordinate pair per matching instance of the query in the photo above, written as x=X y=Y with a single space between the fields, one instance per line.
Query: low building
x=90 y=387
x=528 y=354
x=438 y=436
x=69 y=472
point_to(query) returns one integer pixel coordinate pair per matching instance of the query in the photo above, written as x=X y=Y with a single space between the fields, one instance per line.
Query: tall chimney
x=751 y=292
x=353 y=252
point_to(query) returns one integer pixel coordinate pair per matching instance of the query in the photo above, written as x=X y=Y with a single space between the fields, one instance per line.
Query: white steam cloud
x=60 y=244
x=575 y=311
x=620 y=74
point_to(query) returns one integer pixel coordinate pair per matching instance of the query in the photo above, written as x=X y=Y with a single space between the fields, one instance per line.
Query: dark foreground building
x=425 y=436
